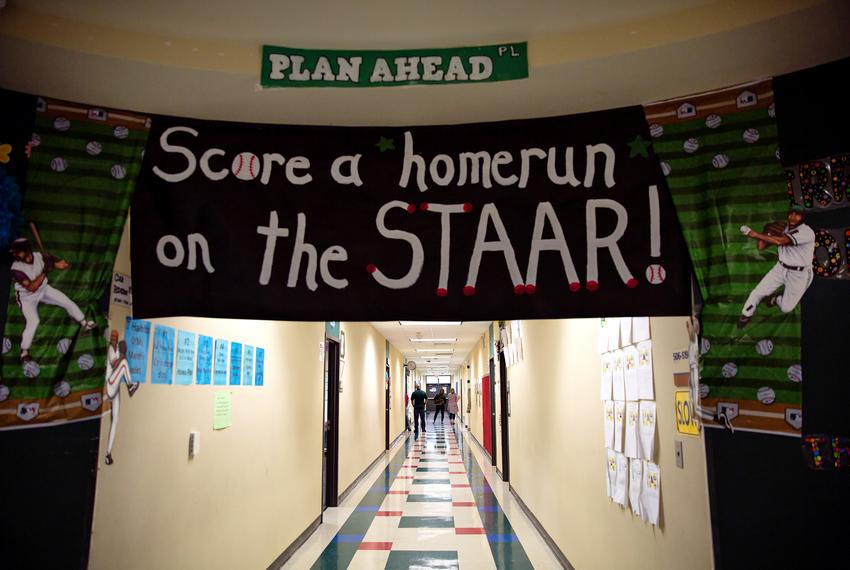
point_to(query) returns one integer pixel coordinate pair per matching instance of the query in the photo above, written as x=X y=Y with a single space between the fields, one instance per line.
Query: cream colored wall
x=479 y=367
x=256 y=484
x=396 y=393
x=558 y=457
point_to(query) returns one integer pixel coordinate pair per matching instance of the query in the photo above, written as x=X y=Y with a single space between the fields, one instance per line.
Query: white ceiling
x=468 y=334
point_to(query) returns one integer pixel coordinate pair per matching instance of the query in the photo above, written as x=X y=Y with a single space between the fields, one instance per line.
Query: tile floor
x=435 y=502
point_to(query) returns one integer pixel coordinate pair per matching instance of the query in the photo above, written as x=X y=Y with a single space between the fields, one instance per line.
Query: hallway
x=435 y=503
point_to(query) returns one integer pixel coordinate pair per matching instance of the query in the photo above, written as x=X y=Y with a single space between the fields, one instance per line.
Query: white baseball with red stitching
x=246 y=166
x=655 y=274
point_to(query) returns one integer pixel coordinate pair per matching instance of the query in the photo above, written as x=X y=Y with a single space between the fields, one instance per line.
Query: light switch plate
x=680 y=456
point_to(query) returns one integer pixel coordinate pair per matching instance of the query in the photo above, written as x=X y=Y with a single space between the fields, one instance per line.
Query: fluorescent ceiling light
x=429 y=323
x=446 y=350
x=433 y=340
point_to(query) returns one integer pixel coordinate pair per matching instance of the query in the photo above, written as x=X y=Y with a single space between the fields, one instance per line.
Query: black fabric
x=418 y=398
x=811 y=112
x=228 y=213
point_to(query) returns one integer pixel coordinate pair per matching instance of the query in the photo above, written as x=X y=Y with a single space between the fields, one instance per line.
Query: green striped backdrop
x=80 y=214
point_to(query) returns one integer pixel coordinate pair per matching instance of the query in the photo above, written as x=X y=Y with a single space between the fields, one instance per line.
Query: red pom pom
x=592 y=286
x=411 y=208
x=469 y=290
x=423 y=206
x=442 y=292
x=467 y=207
x=371 y=268
x=575 y=286
x=632 y=283
x=519 y=289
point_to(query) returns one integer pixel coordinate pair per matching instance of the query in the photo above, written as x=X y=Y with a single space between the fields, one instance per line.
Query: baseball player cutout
x=117 y=371
x=796 y=243
x=29 y=270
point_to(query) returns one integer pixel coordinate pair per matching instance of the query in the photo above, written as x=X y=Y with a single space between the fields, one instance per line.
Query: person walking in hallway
x=452 y=405
x=440 y=405
x=418 y=398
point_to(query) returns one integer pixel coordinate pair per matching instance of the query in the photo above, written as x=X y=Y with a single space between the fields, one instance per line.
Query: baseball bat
x=37 y=237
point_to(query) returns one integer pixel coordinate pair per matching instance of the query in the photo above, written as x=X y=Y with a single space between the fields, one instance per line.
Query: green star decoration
x=639 y=147
x=385 y=144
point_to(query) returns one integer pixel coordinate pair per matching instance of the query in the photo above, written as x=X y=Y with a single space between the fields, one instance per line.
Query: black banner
x=544 y=218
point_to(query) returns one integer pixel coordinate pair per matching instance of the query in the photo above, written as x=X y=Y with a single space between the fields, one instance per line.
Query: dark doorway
x=330 y=459
x=387 y=408
x=503 y=413
x=491 y=393
x=485 y=416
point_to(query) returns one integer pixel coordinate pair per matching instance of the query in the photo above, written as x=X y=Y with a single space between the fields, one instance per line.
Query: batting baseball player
x=117 y=371
x=796 y=243
x=29 y=270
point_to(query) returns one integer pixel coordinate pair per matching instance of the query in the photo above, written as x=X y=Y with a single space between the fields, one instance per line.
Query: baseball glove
x=774 y=228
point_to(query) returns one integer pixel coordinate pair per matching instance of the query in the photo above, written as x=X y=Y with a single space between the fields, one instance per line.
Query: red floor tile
x=375 y=546
x=398 y=492
x=460 y=486
x=463 y=503
x=388 y=513
x=470 y=530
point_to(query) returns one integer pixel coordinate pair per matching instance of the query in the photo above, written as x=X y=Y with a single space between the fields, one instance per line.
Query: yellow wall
x=558 y=457
x=256 y=484
x=479 y=366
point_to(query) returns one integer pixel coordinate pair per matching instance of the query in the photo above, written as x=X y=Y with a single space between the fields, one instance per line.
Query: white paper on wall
x=621 y=490
x=640 y=329
x=635 y=484
x=619 y=420
x=650 y=494
x=646 y=389
x=618 y=386
x=605 y=387
x=647 y=429
x=611 y=469
x=602 y=344
x=609 y=424
x=630 y=373
x=625 y=331
x=613 y=333
x=631 y=447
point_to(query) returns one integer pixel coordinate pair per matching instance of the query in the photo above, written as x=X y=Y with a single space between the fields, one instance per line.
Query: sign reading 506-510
x=289 y=67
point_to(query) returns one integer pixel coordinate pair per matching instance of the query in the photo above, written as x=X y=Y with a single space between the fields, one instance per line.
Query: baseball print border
x=83 y=162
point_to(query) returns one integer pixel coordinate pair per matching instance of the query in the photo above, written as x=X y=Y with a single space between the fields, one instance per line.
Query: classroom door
x=485 y=415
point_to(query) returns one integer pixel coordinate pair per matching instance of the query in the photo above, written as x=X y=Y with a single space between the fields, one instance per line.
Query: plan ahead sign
x=288 y=67
x=544 y=218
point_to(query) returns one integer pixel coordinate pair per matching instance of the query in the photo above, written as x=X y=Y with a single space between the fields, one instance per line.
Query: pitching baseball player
x=117 y=371
x=29 y=270
x=796 y=243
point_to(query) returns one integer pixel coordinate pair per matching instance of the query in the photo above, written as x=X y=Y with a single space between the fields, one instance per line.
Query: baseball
x=713 y=121
x=666 y=169
x=720 y=161
x=63 y=345
x=764 y=346
x=120 y=132
x=94 y=148
x=771 y=111
x=729 y=370
x=61 y=124
x=656 y=130
x=704 y=390
x=766 y=395
x=246 y=166
x=35 y=140
x=118 y=172
x=655 y=274
x=85 y=362
x=704 y=346
x=58 y=164
x=691 y=145
x=62 y=389
x=751 y=135
x=31 y=369
x=4 y=392
x=795 y=373
x=7 y=345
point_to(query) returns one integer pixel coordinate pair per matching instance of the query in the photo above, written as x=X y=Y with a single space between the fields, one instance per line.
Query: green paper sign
x=290 y=67
x=222 y=409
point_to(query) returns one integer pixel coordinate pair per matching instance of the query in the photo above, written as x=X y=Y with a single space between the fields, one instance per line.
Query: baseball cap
x=797 y=208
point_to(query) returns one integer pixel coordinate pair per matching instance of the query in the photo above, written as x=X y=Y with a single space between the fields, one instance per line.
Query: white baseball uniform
x=28 y=300
x=794 y=271
x=115 y=374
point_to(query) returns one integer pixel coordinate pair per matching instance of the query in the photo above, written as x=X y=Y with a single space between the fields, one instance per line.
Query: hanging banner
x=290 y=67
x=82 y=169
x=546 y=218
x=720 y=155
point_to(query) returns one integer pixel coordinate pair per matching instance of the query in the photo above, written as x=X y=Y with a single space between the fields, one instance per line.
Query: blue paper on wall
x=259 y=366
x=235 y=363
x=248 y=366
x=137 y=335
x=162 y=363
x=205 y=355
x=185 y=369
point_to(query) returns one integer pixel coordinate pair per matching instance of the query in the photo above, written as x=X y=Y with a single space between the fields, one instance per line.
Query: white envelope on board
x=630 y=372
x=640 y=329
x=625 y=331
x=602 y=344
x=611 y=471
x=631 y=445
x=646 y=428
x=650 y=493
x=621 y=490
x=609 y=424
x=635 y=484
x=646 y=388
x=613 y=328
x=618 y=379
x=619 y=420
x=607 y=374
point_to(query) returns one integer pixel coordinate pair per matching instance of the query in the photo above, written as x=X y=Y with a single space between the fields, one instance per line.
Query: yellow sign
x=686 y=420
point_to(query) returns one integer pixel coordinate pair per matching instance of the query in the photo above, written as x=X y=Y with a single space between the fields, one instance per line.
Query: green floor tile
x=432 y=481
x=433 y=469
x=426 y=522
x=422 y=560
x=428 y=498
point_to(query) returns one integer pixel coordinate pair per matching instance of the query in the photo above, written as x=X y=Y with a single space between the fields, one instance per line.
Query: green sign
x=222 y=410
x=332 y=330
x=289 y=67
